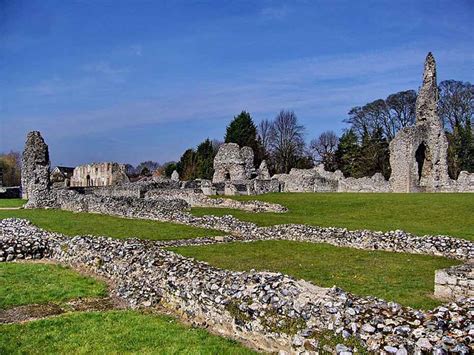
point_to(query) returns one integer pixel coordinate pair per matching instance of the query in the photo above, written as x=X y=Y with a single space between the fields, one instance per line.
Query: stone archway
x=88 y=180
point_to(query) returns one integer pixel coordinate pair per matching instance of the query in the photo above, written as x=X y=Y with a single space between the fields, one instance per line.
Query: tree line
x=361 y=150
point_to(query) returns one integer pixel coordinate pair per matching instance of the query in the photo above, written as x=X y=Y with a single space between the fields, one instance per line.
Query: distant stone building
x=99 y=174
x=61 y=176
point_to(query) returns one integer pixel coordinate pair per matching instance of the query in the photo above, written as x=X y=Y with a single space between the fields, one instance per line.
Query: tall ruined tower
x=418 y=155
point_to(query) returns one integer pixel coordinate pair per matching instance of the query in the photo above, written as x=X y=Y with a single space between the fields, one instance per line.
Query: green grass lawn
x=115 y=332
x=11 y=202
x=70 y=223
x=404 y=278
x=24 y=283
x=421 y=214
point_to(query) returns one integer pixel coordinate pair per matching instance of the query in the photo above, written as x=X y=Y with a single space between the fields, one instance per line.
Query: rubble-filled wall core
x=418 y=155
x=233 y=163
x=35 y=163
x=99 y=174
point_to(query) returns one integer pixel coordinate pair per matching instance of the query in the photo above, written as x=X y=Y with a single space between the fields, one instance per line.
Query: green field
x=405 y=278
x=116 y=332
x=23 y=283
x=92 y=332
x=11 y=202
x=70 y=223
x=450 y=214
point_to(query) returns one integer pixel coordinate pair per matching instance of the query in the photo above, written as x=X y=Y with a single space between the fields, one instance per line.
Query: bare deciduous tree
x=456 y=103
x=402 y=111
x=264 y=131
x=386 y=116
x=324 y=147
x=286 y=141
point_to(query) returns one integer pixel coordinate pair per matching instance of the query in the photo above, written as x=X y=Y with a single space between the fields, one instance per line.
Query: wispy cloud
x=322 y=88
x=137 y=50
x=274 y=12
x=105 y=69
x=54 y=86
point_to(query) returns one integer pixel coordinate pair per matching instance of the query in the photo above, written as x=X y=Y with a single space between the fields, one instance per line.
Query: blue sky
x=130 y=81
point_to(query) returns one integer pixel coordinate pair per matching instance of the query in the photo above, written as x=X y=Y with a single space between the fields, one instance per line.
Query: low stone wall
x=133 y=189
x=455 y=282
x=320 y=180
x=397 y=241
x=117 y=206
x=195 y=198
x=271 y=311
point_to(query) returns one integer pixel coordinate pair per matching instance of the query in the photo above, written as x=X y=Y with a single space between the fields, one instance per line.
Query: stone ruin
x=418 y=154
x=99 y=174
x=418 y=157
x=158 y=198
x=35 y=171
x=233 y=163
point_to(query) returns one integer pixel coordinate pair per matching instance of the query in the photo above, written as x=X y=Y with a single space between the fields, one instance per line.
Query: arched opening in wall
x=227 y=176
x=420 y=156
x=88 y=180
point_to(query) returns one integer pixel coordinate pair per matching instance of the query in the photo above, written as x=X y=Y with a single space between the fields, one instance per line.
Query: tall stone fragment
x=35 y=171
x=175 y=176
x=418 y=155
x=427 y=99
x=263 y=172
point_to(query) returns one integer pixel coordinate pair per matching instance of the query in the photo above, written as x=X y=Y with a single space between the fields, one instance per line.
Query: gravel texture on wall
x=271 y=311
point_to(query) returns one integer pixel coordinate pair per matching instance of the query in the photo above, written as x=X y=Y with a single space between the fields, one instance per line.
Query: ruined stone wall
x=35 y=171
x=195 y=198
x=233 y=163
x=320 y=180
x=130 y=207
x=418 y=155
x=134 y=189
x=376 y=183
x=271 y=311
x=455 y=282
x=99 y=174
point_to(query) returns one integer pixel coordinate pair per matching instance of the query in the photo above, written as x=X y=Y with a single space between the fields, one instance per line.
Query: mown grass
x=112 y=332
x=11 y=202
x=23 y=283
x=404 y=278
x=450 y=214
x=70 y=223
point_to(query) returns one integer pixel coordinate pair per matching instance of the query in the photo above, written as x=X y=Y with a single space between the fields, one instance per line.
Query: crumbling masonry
x=418 y=155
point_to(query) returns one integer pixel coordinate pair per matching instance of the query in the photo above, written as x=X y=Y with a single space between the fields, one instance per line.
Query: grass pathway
x=405 y=278
x=420 y=214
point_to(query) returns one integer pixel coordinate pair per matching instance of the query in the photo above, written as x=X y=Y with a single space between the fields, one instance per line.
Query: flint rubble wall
x=271 y=311
x=455 y=282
